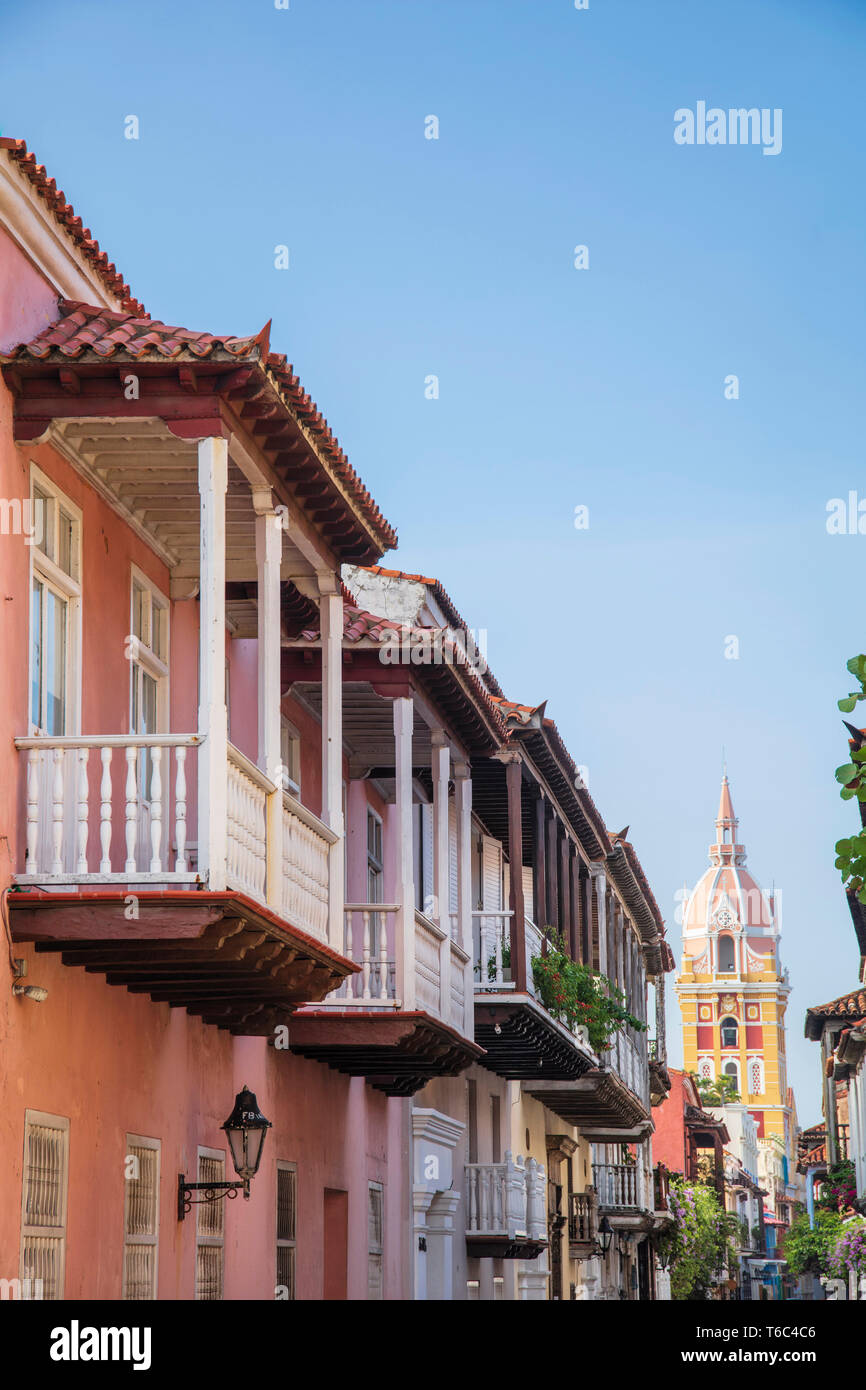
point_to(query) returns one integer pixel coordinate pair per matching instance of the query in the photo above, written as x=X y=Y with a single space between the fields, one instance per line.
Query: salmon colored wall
x=27 y=301
x=116 y=1063
x=669 y=1142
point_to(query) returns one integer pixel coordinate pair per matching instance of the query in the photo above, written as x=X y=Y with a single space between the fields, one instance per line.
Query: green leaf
x=859 y=755
x=847 y=773
x=857 y=665
x=846 y=794
x=861 y=896
x=847 y=705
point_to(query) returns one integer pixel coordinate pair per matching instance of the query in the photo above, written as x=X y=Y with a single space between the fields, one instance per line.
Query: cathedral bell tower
x=732 y=991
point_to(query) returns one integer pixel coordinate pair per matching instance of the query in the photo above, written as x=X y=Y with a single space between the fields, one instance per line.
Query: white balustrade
x=617 y=1184
x=366 y=942
x=306 y=846
x=506 y=1199
x=492 y=947
x=246 y=813
x=75 y=836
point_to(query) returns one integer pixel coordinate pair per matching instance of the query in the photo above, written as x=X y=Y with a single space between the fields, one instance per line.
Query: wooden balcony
x=364 y=1029
x=505 y=1209
x=522 y=1040
x=583 y=1224
x=624 y=1195
x=111 y=862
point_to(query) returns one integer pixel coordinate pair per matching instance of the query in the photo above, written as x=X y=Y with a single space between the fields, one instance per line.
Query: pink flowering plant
x=849 y=1252
x=701 y=1244
x=574 y=993
x=840 y=1187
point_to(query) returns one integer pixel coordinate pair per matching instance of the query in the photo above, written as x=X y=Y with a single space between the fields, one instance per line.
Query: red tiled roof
x=848 y=1006
x=84 y=329
x=359 y=625
x=446 y=603
x=55 y=200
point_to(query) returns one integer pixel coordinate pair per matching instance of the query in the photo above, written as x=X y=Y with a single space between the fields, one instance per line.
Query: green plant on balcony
x=809 y=1250
x=839 y=1187
x=506 y=961
x=572 y=992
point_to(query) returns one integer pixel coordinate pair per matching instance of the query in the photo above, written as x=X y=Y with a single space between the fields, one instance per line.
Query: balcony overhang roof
x=221 y=956
x=196 y=384
x=481 y=1247
x=530 y=1045
x=600 y=1103
x=397 y=1052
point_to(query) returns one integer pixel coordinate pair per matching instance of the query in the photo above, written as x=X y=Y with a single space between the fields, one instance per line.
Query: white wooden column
x=463 y=797
x=440 y=767
x=404 y=926
x=600 y=885
x=212 y=716
x=269 y=547
x=331 y=620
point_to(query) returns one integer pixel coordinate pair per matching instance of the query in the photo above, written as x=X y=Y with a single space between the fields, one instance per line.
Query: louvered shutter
x=43 y=1218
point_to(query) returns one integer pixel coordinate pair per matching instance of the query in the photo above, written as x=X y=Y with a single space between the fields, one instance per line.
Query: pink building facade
x=269 y=822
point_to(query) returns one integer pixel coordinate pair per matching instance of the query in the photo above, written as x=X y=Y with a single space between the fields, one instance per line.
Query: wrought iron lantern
x=605 y=1234
x=245 y=1130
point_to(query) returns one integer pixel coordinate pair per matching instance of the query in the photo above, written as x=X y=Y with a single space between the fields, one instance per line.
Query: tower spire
x=726 y=850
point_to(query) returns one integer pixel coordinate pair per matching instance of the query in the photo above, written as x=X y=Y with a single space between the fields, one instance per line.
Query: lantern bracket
x=211 y=1192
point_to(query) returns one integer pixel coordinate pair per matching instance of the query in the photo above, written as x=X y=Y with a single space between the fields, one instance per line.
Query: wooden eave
x=218 y=955
x=530 y=1045
x=397 y=1052
x=481 y=1247
x=219 y=394
x=598 y=1101
x=446 y=686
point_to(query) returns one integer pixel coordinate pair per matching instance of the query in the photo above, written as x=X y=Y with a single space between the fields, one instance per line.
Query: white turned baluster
x=57 y=812
x=105 y=812
x=349 y=978
x=32 y=810
x=497 y=937
x=365 y=994
x=383 y=957
x=131 y=809
x=156 y=812
x=83 y=756
x=180 y=810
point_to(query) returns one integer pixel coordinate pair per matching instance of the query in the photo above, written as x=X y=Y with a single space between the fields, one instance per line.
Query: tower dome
x=727 y=898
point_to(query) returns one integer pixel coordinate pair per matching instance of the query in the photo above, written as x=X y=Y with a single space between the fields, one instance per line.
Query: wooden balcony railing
x=583 y=1219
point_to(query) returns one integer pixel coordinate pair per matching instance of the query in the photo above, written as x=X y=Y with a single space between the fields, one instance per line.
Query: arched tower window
x=730 y=1031
x=732 y=1070
x=727 y=954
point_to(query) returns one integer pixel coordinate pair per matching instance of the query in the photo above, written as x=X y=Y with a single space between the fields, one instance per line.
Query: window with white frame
x=730 y=1032
x=287 y=1207
x=732 y=1071
x=148 y=665
x=43 y=1205
x=55 y=610
x=210 y=1229
x=375 y=1240
x=141 y=1218
x=290 y=757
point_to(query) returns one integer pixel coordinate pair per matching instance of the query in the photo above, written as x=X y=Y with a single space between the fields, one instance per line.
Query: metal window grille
x=210 y=1234
x=287 y=1206
x=375 y=1245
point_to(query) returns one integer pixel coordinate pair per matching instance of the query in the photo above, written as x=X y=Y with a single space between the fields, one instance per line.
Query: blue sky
x=558 y=387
